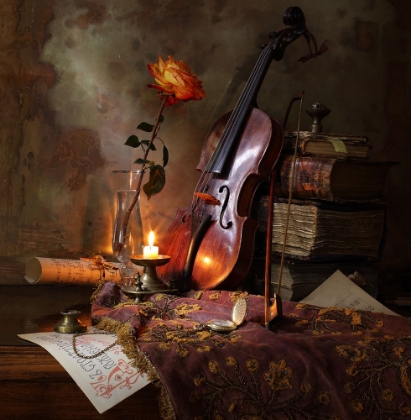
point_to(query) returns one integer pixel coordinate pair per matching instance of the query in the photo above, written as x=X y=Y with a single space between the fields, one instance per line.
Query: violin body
x=226 y=249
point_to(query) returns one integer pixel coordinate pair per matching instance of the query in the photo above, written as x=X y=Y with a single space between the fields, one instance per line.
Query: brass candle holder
x=149 y=282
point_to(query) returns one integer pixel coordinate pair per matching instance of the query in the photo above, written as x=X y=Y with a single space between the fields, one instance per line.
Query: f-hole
x=229 y=224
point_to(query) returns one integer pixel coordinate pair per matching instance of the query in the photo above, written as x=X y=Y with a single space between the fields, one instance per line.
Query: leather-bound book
x=333 y=145
x=300 y=278
x=324 y=231
x=332 y=179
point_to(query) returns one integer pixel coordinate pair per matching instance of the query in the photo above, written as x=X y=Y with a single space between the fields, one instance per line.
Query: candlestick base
x=149 y=282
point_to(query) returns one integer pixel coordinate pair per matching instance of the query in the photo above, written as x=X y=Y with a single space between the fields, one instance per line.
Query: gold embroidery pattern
x=162 y=308
x=249 y=399
x=234 y=296
x=214 y=296
x=198 y=337
x=198 y=295
x=371 y=362
x=324 y=320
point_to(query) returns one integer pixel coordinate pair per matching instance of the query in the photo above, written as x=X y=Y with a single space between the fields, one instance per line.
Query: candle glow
x=150 y=251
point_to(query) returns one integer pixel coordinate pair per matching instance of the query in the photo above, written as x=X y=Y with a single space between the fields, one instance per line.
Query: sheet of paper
x=59 y=271
x=339 y=291
x=106 y=379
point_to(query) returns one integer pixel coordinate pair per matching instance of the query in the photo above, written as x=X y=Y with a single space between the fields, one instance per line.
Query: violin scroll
x=294 y=16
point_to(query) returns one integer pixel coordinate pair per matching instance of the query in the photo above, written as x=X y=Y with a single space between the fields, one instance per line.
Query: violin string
x=241 y=103
x=238 y=109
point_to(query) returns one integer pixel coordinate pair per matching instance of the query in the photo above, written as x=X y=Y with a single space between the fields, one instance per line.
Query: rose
x=175 y=79
x=176 y=82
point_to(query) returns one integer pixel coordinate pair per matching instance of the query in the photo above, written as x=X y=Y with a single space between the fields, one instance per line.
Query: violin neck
x=274 y=50
x=241 y=112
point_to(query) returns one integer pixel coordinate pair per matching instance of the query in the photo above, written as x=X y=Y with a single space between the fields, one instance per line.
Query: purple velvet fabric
x=316 y=363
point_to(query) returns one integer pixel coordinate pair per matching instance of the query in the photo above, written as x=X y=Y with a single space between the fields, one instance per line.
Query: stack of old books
x=337 y=215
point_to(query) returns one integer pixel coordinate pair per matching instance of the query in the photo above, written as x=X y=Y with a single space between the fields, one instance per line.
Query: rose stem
x=140 y=179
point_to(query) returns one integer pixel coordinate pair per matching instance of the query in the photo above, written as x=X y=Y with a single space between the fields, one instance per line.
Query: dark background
x=73 y=82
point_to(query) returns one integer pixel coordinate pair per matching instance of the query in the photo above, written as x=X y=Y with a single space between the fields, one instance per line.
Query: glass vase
x=128 y=238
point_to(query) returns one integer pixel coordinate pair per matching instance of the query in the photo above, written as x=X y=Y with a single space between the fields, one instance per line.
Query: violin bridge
x=207 y=198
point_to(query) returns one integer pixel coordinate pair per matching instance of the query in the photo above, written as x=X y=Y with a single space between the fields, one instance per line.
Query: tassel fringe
x=138 y=359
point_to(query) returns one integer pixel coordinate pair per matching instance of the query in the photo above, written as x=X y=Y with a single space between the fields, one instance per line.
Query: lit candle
x=150 y=251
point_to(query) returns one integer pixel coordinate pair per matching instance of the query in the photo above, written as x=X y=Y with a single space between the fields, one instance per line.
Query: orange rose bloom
x=176 y=79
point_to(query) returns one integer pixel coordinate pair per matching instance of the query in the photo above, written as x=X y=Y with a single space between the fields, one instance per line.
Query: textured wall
x=73 y=82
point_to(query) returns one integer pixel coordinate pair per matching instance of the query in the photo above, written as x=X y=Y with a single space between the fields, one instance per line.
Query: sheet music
x=339 y=291
x=105 y=380
x=59 y=271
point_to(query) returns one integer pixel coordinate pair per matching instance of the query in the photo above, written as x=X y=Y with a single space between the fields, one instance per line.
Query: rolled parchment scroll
x=58 y=271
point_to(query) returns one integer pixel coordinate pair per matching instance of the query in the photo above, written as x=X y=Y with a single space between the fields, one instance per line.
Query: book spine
x=311 y=178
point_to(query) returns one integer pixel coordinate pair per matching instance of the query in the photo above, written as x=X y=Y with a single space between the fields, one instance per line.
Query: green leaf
x=140 y=161
x=147 y=142
x=133 y=141
x=145 y=127
x=165 y=156
x=156 y=181
x=161 y=119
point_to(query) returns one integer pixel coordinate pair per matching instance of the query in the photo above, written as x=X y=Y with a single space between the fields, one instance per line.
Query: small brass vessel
x=70 y=324
x=317 y=112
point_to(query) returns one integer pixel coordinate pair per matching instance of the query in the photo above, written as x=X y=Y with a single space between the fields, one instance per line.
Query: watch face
x=238 y=315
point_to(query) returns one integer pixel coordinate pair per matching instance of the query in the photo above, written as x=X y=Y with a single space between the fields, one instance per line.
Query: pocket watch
x=237 y=317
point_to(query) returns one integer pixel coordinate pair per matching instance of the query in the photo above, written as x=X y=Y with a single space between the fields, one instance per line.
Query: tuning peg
x=271 y=35
x=262 y=46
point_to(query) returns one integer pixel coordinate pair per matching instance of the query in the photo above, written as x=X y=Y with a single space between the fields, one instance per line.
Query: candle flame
x=151 y=238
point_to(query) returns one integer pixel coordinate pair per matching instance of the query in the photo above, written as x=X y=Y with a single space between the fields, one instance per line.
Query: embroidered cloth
x=316 y=363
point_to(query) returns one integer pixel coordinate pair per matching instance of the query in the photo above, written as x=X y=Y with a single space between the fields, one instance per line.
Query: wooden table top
x=33 y=385
x=32 y=308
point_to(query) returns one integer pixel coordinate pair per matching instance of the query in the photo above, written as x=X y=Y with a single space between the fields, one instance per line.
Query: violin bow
x=273 y=310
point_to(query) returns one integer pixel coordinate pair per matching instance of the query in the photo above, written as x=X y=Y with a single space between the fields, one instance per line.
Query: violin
x=211 y=242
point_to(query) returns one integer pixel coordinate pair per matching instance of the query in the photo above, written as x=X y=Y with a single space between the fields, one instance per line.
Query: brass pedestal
x=149 y=282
